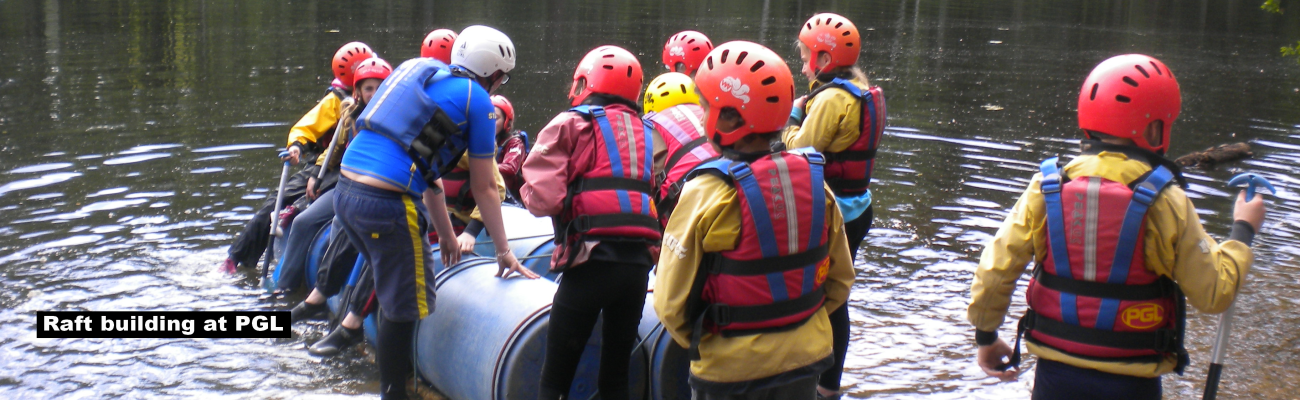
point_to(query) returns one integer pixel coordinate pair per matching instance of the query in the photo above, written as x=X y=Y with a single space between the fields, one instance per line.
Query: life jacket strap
x=723 y=315
x=1161 y=340
x=1050 y=186
x=1103 y=290
x=764 y=266
x=592 y=184
x=851 y=155
x=585 y=223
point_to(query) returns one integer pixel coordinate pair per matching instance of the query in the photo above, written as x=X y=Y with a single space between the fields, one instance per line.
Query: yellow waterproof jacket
x=707 y=220
x=833 y=121
x=318 y=122
x=464 y=215
x=348 y=131
x=1176 y=246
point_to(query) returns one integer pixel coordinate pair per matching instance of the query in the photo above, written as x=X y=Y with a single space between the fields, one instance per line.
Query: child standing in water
x=1106 y=298
x=844 y=118
x=591 y=171
x=754 y=256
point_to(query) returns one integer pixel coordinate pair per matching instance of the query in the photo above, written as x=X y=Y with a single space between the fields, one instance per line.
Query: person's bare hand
x=993 y=357
x=311 y=188
x=446 y=242
x=294 y=157
x=1250 y=211
x=507 y=265
x=466 y=243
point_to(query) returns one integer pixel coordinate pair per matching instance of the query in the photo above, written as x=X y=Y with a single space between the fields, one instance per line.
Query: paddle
x=275 y=218
x=1251 y=182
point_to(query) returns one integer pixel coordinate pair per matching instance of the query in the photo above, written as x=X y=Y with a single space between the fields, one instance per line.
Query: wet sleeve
x=840 y=274
x=317 y=122
x=819 y=126
x=482 y=127
x=1003 y=261
x=691 y=231
x=546 y=170
x=1177 y=246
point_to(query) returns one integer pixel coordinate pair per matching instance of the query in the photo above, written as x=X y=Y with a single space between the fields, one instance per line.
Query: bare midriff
x=372 y=181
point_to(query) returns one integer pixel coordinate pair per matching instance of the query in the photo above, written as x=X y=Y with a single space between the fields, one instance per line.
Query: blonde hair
x=853 y=70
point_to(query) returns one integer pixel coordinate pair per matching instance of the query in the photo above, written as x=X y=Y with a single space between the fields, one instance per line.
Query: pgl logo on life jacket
x=1143 y=316
x=738 y=90
x=823 y=269
x=827 y=39
x=677 y=51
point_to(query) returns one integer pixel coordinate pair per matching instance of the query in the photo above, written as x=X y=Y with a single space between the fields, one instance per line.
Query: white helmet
x=483 y=51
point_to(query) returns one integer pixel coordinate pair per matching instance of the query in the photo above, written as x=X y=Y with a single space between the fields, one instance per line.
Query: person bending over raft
x=341 y=255
x=844 y=118
x=424 y=117
x=591 y=171
x=512 y=147
x=1106 y=301
x=317 y=126
x=673 y=107
x=685 y=51
x=367 y=76
x=754 y=256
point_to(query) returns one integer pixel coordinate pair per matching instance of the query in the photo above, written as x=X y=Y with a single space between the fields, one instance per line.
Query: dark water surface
x=136 y=138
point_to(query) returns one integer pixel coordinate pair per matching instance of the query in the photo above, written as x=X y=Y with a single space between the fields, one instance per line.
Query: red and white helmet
x=688 y=49
x=608 y=70
x=1125 y=94
x=437 y=45
x=834 y=35
x=346 y=58
x=751 y=79
x=508 y=120
x=371 y=68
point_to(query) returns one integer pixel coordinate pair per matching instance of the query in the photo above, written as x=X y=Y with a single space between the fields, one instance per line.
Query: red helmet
x=687 y=48
x=506 y=108
x=1125 y=94
x=347 y=57
x=609 y=70
x=834 y=35
x=751 y=79
x=371 y=68
x=438 y=45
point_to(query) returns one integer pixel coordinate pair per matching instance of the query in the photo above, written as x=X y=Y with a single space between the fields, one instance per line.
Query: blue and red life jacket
x=849 y=172
x=772 y=281
x=612 y=198
x=456 y=189
x=1093 y=297
x=681 y=129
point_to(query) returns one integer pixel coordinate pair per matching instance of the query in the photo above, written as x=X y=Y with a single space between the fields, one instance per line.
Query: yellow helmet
x=668 y=90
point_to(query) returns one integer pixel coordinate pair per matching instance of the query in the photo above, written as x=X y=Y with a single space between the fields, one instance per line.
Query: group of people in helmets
x=751 y=202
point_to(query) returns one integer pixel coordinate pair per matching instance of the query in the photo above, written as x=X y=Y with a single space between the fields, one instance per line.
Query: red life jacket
x=456 y=189
x=772 y=281
x=849 y=172
x=611 y=198
x=1093 y=297
x=681 y=129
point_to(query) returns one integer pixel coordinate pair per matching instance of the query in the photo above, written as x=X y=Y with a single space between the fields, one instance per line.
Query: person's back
x=672 y=105
x=1116 y=243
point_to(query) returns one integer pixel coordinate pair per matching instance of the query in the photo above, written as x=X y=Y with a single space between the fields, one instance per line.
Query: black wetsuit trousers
x=1059 y=381
x=251 y=243
x=393 y=354
x=619 y=290
x=856 y=230
x=336 y=267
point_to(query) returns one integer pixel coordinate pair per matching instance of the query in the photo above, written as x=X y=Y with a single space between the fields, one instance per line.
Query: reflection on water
x=138 y=136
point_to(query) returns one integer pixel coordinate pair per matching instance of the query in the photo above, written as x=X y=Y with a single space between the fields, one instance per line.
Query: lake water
x=136 y=137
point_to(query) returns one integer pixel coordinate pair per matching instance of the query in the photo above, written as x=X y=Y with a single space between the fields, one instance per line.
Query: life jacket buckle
x=720 y=314
x=739 y=171
x=1145 y=193
x=1051 y=184
x=815 y=158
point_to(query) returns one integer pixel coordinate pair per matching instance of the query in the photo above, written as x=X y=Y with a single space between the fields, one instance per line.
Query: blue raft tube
x=486 y=338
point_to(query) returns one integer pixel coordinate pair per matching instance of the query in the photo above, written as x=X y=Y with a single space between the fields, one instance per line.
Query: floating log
x=1211 y=157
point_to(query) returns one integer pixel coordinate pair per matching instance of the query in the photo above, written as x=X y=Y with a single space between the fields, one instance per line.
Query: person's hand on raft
x=294 y=157
x=466 y=243
x=507 y=266
x=991 y=358
x=448 y=241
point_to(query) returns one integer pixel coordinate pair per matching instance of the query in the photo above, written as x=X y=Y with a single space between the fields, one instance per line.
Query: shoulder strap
x=1144 y=193
x=747 y=184
x=1051 y=189
x=716 y=168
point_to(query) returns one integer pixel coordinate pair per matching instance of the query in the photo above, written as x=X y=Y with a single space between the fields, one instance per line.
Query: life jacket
x=1093 y=297
x=327 y=139
x=683 y=136
x=456 y=188
x=613 y=198
x=772 y=281
x=849 y=172
x=401 y=111
x=513 y=183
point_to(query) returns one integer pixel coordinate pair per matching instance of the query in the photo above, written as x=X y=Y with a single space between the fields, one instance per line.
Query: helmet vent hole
x=1122 y=98
x=692 y=41
x=756 y=66
x=725 y=53
x=849 y=44
x=607 y=56
x=1130 y=81
x=710 y=62
x=629 y=74
x=770 y=80
x=661 y=84
x=1142 y=70
x=828 y=20
x=502 y=50
x=696 y=48
x=741 y=57
x=1157 y=67
x=609 y=67
x=773 y=99
x=846 y=33
x=510 y=52
x=1093 y=96
x=838 y=25
x=665 y=94
x=808 y=25
x=683 y=88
